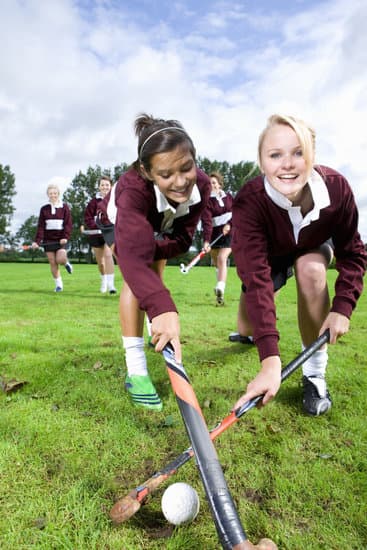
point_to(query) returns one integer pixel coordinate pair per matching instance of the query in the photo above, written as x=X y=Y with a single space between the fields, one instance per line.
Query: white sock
x=136 y=362
x=316 y=364
x=221 y=285
x=110 y=281
x=58 y=282
x=103 y=283
x=149 y=326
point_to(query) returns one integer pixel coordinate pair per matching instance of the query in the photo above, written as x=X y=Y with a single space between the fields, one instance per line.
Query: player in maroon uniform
x=53 y=232
x=155 y=207
x=220 y=208
x=296 y=214
x=102 y=251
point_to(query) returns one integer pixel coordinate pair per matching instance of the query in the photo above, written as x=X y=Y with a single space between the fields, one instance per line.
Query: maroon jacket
x=140 y=238
x=263 y=232
x=91 y=212
x=211 y=230
x=53 y=227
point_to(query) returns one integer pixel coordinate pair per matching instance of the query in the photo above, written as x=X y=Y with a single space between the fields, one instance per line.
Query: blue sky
x=76 y=73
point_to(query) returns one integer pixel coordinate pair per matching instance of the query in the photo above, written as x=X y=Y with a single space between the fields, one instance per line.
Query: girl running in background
x=53 y=232
x=220 y=212
x=155 y=208
x=296 y=214
x=101 y=250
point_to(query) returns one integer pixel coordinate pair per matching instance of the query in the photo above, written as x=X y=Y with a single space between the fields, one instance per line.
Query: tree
x=27 y=232
x=81 y=190
x=234 y=175
x=7 y=192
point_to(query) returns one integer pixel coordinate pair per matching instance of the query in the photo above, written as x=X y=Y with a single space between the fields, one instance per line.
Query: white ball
x=180 y=503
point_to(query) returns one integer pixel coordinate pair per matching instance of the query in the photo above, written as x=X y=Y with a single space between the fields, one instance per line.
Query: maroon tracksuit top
x=61 y=220
x=263 y=232
x=91 y=212
x=212 y=231
x=139 y=239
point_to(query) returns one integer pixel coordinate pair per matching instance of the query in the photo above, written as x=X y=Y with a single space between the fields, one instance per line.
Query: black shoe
x=316 y=397
x=237 y=337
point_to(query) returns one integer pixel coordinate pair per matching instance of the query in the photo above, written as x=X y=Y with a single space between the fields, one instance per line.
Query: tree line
x=81 y=190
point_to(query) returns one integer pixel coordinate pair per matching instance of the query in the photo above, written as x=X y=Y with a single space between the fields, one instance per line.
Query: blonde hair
x=304 y=132
x=53 y=186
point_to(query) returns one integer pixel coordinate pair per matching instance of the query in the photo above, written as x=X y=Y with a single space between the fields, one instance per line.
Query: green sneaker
x=142 y=392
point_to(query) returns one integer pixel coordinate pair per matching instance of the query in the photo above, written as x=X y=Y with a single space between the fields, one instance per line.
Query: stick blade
x=263 y=544
x=124 y=509
x=266 y=544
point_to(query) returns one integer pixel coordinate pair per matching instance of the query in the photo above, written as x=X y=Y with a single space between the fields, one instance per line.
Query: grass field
x=71 y=443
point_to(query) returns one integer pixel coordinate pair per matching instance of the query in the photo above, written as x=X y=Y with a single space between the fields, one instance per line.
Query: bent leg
x=243 y=322
x=138 y=382
x=53 y=264
x=99 y=254
x=312 y=293
x=313 y=307
x=109 y=269
x=61 y=256
x=222 y=264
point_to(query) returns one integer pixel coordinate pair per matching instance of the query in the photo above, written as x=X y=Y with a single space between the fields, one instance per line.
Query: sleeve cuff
x=267 y=345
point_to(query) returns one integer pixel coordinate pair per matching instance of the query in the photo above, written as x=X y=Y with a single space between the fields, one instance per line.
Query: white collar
x=218 y=195
x=183 y=208
x=320 y=197
x=319 y=192
x=58 y=204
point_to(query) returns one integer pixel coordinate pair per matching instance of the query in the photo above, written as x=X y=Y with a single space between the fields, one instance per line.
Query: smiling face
x=283 y=162
x=104 y=187
x=216 y=187
x=174 y=172
x=53 y=194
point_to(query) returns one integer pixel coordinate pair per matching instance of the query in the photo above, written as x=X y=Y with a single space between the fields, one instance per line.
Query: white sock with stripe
x=315 y=368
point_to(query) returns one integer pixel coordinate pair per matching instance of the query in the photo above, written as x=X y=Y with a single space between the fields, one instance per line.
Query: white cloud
x=73 y=82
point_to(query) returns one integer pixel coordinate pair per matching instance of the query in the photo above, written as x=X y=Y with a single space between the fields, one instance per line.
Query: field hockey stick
x=92 y=232
x=126 y=507
x=30 y=247
x=227 y=522
x=226 y=519
x=186 y=268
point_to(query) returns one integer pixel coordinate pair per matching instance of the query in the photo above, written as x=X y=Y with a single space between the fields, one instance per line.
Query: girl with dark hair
x=220 y=212
x=102 y=251
x=155 y=207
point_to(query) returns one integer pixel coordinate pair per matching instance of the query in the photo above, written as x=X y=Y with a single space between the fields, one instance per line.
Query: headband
x=157 y=132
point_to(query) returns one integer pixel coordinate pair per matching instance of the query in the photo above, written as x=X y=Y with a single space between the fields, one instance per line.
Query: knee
x=107 y=252
x=60 y=257
x=310 y=274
